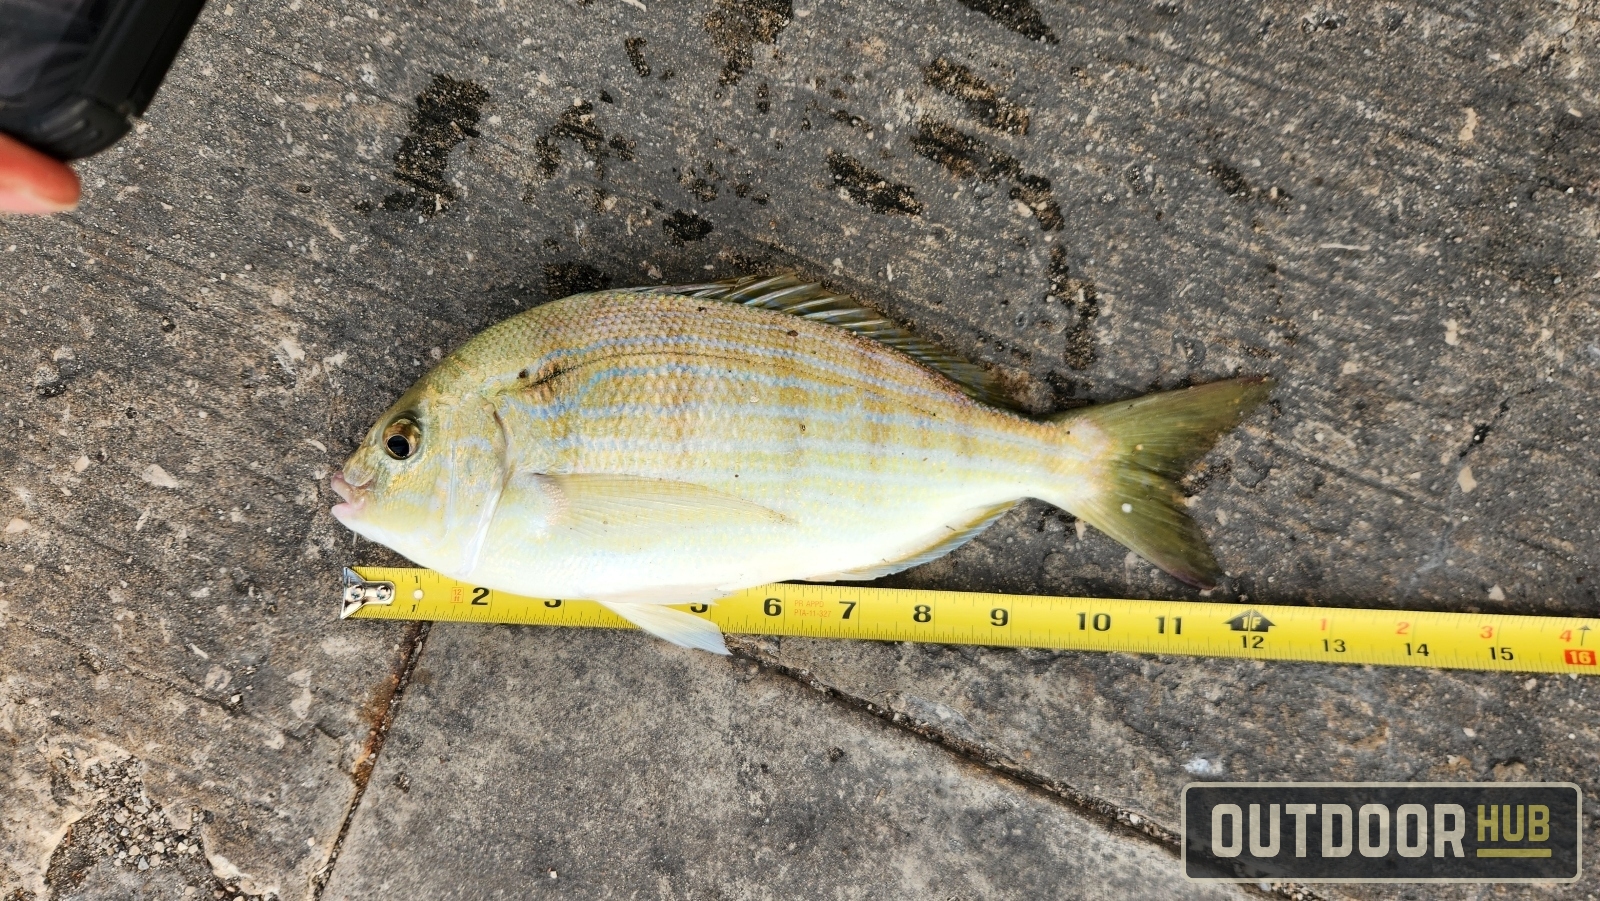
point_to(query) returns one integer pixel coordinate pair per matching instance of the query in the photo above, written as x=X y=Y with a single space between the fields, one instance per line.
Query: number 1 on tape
x=1322 y=634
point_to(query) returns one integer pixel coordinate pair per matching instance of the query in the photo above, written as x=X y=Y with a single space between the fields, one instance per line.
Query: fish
x=660 y=446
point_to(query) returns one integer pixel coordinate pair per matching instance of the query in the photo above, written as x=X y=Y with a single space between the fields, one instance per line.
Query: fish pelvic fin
x=1141 y=448
x=788 y=293
x=682 y=629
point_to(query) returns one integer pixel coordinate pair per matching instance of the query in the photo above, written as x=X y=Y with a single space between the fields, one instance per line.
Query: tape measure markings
x=1221 y=629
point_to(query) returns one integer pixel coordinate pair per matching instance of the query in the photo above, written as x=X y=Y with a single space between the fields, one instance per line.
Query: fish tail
x=1139 y=449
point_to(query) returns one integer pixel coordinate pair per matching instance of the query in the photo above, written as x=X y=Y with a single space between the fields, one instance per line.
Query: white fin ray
x=682 y=629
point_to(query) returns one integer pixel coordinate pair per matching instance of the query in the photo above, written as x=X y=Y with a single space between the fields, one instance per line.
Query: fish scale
x=707 y=388
x=651 y=447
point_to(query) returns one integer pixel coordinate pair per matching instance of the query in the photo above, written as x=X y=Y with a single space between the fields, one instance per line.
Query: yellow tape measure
x=1545 y=644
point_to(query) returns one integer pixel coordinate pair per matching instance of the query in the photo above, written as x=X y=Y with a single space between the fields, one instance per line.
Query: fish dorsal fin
x=809 y=300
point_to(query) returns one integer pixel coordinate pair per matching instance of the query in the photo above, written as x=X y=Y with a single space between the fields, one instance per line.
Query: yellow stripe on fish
x=671 y=445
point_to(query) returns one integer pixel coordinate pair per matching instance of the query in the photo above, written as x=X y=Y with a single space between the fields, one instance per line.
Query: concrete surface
x=1389 y=207
x=529 y=764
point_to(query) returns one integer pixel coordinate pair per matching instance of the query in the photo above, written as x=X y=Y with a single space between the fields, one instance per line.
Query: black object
x=74 y=72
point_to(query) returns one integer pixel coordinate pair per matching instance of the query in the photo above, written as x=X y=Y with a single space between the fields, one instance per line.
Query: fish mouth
x=352 y=495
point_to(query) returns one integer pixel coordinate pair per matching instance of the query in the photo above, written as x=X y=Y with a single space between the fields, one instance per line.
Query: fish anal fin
x=787 y=293
x=682 y=629
x=950 y=536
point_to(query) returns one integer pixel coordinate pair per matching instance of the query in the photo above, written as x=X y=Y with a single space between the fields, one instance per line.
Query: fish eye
x=402 y=438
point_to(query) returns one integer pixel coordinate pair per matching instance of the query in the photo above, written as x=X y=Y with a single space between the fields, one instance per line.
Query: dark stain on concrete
x=702 y=182
x=1240 y=188
x=1034 y=192
x=748 y=191
x=51 y=379
x=1322 y=20
x=983 y=101
x=964 y=155
x=566 y=279
x=1082 y=305
x=635 y=48
x=683 y=226
x=967 y=157
x=872 y=190
x=851 y=119
x=736 y=26
x=447 y=113
x=1017 y=15
x=576 y=124
x=1574 y=146
x=1230 y=180
x=547 y=156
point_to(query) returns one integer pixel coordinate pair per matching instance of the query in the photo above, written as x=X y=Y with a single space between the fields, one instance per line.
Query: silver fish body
x=653 y=447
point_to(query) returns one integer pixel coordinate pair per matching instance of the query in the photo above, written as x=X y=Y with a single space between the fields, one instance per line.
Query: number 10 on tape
x=1324 y=634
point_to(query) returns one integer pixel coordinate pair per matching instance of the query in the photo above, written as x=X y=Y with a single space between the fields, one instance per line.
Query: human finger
x=31 y=182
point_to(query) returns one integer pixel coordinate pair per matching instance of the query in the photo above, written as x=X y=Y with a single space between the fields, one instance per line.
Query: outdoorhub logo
x=1382 y=832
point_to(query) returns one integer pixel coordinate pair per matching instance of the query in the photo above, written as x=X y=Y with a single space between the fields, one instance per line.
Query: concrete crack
x=1115 y=819
x=383 y=708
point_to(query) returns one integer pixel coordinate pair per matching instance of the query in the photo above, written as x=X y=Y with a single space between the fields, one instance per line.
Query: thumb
x=31 y=182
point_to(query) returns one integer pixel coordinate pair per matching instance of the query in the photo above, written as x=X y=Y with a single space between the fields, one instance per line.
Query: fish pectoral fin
x=682 y=629
x=597 y=504
x=790 y=294
x=950 y=536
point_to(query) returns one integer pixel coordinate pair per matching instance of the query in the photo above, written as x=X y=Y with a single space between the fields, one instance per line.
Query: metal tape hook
x=358 y=593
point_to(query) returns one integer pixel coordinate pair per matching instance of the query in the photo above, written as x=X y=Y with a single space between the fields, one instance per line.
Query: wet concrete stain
x=1230 y=180
x=566 y=279
x=1240 y=188
x=1573 y=147
x=967 y=157
x=703 y=188
x=1082 y=307
x=872 y=190
x=1017 y=15
x=736 y=26
x=683 y=226
x=51 y=379
x=635 y=48
x=447 y=114
x=851 y=119
x=577 y=124
x=706 y=182
x=983 y=101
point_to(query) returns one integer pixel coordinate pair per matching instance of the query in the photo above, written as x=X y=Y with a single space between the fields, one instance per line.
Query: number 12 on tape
x=1330 y=635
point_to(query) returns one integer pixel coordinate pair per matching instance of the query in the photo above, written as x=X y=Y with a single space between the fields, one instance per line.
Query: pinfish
x=673 y=445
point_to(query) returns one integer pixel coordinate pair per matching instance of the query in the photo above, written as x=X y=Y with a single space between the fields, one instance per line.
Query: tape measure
x=1544 y=644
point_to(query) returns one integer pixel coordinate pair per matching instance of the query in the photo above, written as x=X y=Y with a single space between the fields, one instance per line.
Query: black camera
x=73 y=73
